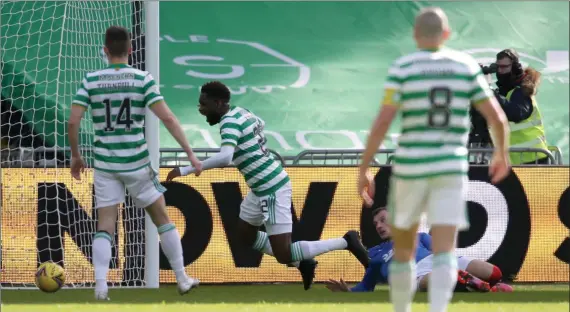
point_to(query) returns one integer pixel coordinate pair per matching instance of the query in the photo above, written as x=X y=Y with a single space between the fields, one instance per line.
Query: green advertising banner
x=315 y=70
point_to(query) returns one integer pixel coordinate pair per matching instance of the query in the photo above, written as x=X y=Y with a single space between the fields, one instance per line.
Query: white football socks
x=101 y=251
x=172 y=247
x=402 y=280
x=442 y=281
x=262 y=243
x=301 y=250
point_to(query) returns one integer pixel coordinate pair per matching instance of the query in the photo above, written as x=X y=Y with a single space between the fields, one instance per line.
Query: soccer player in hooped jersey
x=269 y=199
x=119 y=97
x=433 y=88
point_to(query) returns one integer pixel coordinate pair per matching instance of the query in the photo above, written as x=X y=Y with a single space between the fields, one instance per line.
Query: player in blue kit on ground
x=473 y=274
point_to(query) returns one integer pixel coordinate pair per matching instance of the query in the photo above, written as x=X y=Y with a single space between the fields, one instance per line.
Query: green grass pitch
x=276 y=298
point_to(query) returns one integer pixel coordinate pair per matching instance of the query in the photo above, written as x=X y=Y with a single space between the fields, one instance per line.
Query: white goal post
x=46 y=48
x=152 y=46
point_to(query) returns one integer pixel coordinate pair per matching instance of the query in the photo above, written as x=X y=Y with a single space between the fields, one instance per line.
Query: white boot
x=186 y=284
x=101 y=295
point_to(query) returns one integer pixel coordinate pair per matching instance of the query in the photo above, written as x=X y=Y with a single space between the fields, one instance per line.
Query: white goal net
x=46 y=48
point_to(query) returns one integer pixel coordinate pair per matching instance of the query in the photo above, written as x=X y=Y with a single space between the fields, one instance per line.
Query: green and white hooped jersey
x=244 y=130
x=434 y=91
x=118 y=97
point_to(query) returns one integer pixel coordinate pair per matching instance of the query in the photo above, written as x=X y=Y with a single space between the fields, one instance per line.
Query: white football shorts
x=273 y=210
x=143 y=187
x=442 y=198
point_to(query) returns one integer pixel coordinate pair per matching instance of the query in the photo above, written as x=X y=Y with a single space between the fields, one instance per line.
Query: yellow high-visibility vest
x=527 y=133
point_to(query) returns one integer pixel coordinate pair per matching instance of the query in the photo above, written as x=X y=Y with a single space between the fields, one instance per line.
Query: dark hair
x=509 y=53
x=216 y=90
x=514 y=57
x=377 y=211
x=117 y=41
x=530 y=76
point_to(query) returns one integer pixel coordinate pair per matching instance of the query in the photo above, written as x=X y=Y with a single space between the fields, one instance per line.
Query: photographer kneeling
x=516 y=94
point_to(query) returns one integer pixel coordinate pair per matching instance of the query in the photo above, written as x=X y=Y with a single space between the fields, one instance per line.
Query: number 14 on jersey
x=123 y=117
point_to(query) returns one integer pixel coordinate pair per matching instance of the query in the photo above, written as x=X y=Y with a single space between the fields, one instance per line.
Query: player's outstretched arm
x=371 y=277
x=230 y=136
x=221 y=159
x=163 y=112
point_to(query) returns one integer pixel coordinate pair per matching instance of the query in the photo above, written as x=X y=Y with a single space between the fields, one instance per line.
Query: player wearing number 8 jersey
x=433 y=89
x=119 y=97
x=269 y=201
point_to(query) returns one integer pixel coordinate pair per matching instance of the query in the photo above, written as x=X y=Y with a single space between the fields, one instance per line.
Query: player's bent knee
x=483 y=270
x=281 y=246
x=496 y=275
x=247 y=238
x=157 y=212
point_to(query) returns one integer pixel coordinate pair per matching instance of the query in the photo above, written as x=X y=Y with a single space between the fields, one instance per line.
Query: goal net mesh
x=47 y=47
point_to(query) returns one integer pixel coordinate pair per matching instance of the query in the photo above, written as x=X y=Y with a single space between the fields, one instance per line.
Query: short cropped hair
x=117 y=41
x=216 y=90
x=431 y=22
x=377 y=211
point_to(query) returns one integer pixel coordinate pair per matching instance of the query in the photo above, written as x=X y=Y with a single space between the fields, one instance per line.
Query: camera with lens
x=491 y=69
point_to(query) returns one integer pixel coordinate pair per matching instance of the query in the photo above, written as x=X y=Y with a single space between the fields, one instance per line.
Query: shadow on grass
x=252 y=294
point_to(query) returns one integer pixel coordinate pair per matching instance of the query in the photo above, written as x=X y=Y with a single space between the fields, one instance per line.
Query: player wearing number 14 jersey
x=433 y=88
x=269 y=201
x=119 y=97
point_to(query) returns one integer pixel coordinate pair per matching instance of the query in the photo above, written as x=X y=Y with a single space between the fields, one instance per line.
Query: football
x=50 y=277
